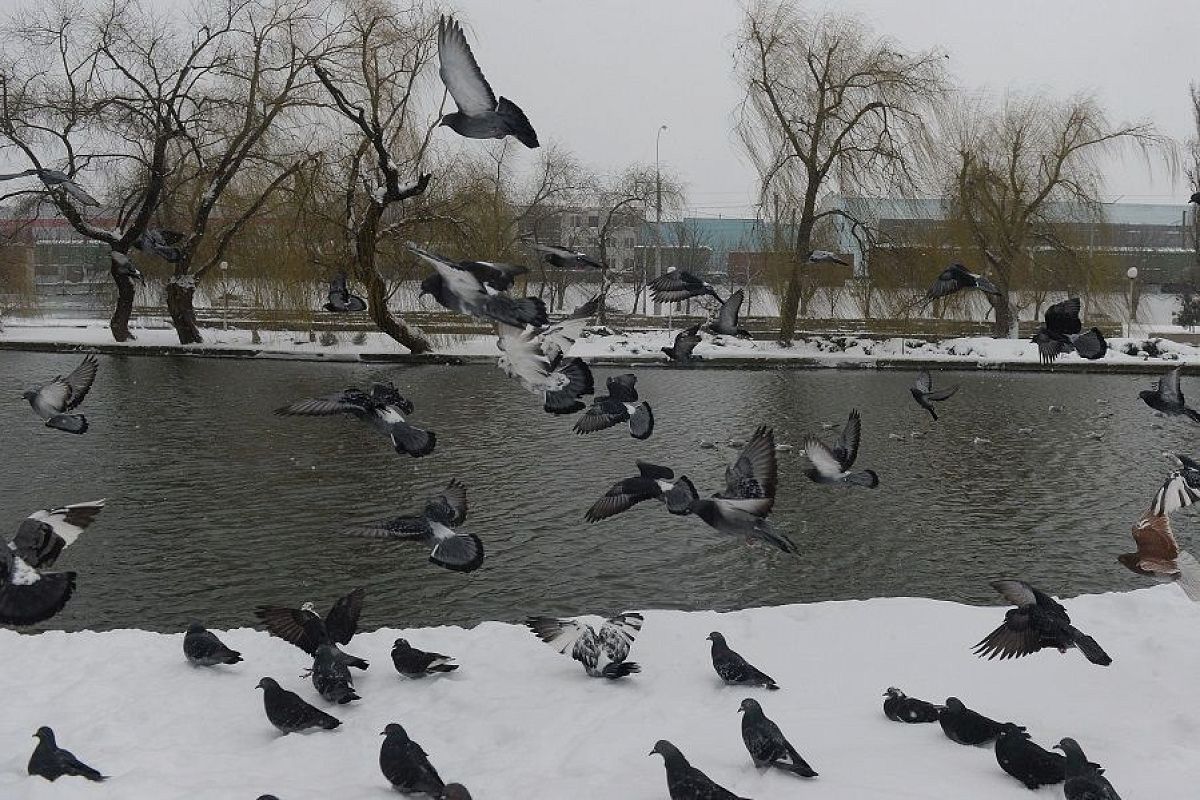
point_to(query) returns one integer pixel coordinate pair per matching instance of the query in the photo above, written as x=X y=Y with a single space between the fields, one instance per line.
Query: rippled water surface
x=216 y=505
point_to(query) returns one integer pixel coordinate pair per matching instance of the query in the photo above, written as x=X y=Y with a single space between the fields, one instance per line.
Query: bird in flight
x=27 y=594
x=922 y=391
x=832 y=465
x=955 y=278
x=383 y=408
x=52 y=400
x=1037 y=622
x=1167 y=397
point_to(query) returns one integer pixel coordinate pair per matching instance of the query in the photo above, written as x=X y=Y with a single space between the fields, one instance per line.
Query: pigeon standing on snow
x=1084 y=780
x=767 y=745
x=203 y=649
x=832 y=466
x=406 y=766
x=461 y=552
x=52 y=400
x=726 y=322
x=685 y=782
x=955 y=278
x=28 y=595
x=651 y=483
x=340 y=298
x=1038 y=621
x=1026 y=761
x=685 y=342
x=413 y=663
x=479 y=114
x=1167 y=397
x=383 y=409
x=602 y=655
x=288 y=712
x=679 y=285
x=621 y=404
x=962 y=725
x=306 y=629
x=899 y=707
x=56 y=179
x=734 y=669
x=51 y=762
x=922 y=391
x=563 y=258
x=471 y=291
x=331 y=677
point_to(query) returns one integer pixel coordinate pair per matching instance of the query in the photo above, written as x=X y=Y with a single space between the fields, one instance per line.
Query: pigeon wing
x=1019 y=593
x=924 y=383
x=291 y=625
x=1154 y=537
x=654 y=471
x=355 y=403
x=618 y=633
x=946 y=283
x=342 y=621
x=407 y=527
x=460 y=552
x=727 y=316
x=558 y=339
x=603 y=413
x=80 y=381
x=942 y=394
x=1180 y=490
x=1168 y=387
x=1064 y=317
x=822 y=458
x=622 y=496
x=561 y=634
x=1013 y=639
x=847 y=447
x=27 y=596
x=623 y=388
x=676 y=286
x=686 y=341
x=43 y=536
x=755 y=473
x=449 y=507
x=460 y=72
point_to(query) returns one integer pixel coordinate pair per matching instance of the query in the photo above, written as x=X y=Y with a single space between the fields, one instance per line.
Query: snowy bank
x=520 y=722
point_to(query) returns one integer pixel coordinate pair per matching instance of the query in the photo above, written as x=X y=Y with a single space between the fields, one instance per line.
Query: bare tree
x=1193 y=177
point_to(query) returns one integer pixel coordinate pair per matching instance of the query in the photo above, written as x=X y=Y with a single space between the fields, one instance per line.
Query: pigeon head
x=394 y=729
x=431 y=284
x=665 y=749
x=309 y=606
x=892 y=691
x=954 y=704
x=45 y=734
x=402 y=644
x=194 y=627
x=716 y=637
x=29 y=394
x=749 y=704
x=267 y=683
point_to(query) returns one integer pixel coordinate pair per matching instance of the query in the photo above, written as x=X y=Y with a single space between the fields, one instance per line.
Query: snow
x=521 y=722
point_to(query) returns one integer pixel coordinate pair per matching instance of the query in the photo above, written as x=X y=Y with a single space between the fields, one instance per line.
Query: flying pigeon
x=1060 y=334
x=955 y=278
x=559 y=338
x=825 y=257
x=55 y=179
x=461 y=552
x=563 y=258
x=331 y=677
x=1026 y=761
x=602 y=655
x=462 y=289
x=406 y=766
x=899 y=707
x=479 y=115
x=304 y=628
x=651 y=482
x=1084 y=780
x=52 y=762
x=340 y=298
x=162 y=243
x=962 y=725
x=679 y=285
x=52 y=400
x=1158 y=555
x=1038 y=621
x=766 y=743
x=923 y=393
x=383 y=408
x=413 y=663
x=288 y=712
x=749 y=495
x=1168 y=398
x=621 y=404
x=685 y=782
x=560 y=381
x=726 y=323
x=28 y=595
x=685 y=342
x=202 y=648
x=1181 y=488
x=734 y=669
x=832 y=466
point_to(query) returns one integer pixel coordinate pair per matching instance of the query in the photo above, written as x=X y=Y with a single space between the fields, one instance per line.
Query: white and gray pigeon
x=726 y=321
x=432 y=526
x=472 y=288
x=679 y=285
x=341 y=300
x=733 y=669
x=52 y=400
x=57 y=179
x=922 y=391
x=602 y=654
x=767 y=745
x=331 y=677
x=383 y=408
x=685 y=782
x=27 y=594
x=202 y=648
x=305 y=628
x=480 y=115
x=831 y=466
x=565 y=258
x=538 y=359
x=621 y=404
x=52 y=762
x=651 y=483
x=1180 y=489
x=406 y=766
x=414 y=663
x=288 y=711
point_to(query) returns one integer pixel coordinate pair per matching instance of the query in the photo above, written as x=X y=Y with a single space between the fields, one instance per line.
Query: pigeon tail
x=412 y=440
x=1088 y=646
x=71 y=423
x=517 y=123
x=620 y=669
x=768 y=534
x=798 y=766
x=641 y=421
x=866 y=478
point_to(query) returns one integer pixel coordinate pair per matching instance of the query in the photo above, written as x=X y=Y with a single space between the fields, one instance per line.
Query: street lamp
x=1132 y=274
x=657 y=211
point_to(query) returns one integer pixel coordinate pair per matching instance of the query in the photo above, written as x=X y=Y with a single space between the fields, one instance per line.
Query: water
x=216 y=505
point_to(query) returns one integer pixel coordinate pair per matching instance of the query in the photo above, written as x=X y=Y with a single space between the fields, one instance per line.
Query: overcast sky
x=601 y=77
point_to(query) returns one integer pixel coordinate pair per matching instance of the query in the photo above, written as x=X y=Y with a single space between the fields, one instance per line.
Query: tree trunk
x=119 y=323
x=795 y=288
x=377 y=299
x=1002 y=326
x=180 y=295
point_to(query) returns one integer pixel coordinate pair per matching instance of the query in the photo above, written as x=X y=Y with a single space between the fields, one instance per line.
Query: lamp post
x=657 y=211
x=224 y=267
x=1132 y=274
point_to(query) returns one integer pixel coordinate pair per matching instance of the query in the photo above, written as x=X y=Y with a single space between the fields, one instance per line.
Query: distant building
x=580 y=228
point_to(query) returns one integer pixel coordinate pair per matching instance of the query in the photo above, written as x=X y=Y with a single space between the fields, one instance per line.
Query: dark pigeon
x=331 y=677
x=651 y=483
x=734 y=669
x=1167 y=397
x=956 y=278
x=726 y=322
x=899 y=707
x=413 y=663
x=202 y=648
x=564 y=258
x=383 y=408
x=1037 y=622
x=461 y=552
x=537 y=359
x=479 y=115
x=766 y=743
x=1084 y=780
x=406 y=766
x=685 y=342
x=602 y=655
x=126 y=268
x=832 y=466
x=922 y=391
x=1195 y=198
x=56 y=179
x=1024 y=760
x=27 y=594
x=162 y=243
x=52 y=400
x=461 y=289
x=679 y=285
x=341 y=301
x=306 y=629
x=621 y=404
x=288 y=712
x=494 y=274
x=685 y=782
x=455 y=791
x=52 y=762
x=962 y=725
x=1061 y=334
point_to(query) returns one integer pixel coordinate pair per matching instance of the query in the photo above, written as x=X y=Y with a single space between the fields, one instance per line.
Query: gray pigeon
x=1084 y=780
x=538 y=359
x=479 y=115
x=383 y=409
x=602 y=655
x=52 y=400
x=202 y=648
x=832 y=466
x=28 y=595
x=406 y=766
x=679 y=285
x=340 y=298
x=162 y=243
x=52 y=762
x=563 y=258
x=288 y=712
x=922 y=391
x=767 y=745
x=463 y=290
x=685 y=342
x=651 y=483
x=56 y=179
x=621 y=404
x=734 y=669
x=413 y=663
x=685 y=782
x=956 y=278
x=461 y=552
x=726 y=322
x=825 y=257
x=305 y=628
x=331 y=677
x=1167 y=397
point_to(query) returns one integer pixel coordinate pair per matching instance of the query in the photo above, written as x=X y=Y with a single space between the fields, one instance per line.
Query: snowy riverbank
x=520 y=722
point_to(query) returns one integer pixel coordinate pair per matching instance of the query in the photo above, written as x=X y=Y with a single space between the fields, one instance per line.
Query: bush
x=328 y=339
x=1189 y=311
x=360 y=338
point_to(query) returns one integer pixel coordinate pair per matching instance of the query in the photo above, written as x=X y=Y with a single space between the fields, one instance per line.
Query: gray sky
x=600 y=77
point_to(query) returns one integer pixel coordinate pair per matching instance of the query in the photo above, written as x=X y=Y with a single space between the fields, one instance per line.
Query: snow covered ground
x=520 y=722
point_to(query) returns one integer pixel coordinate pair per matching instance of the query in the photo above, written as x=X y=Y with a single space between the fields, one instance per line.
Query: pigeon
x=406 y=766
x=461 y=289
x=55 y=179
x=460 y=552
x=726 y=323
x=685 y=782
x=52 y=762
x=52 y=400
x=563 y=258
x=1060 y=334
x=455 y=791
x=825 y=257
x=560 y=382
x=1195 y=198
x=899 y=707
x=685 y=342
x=1181 y=488
x=1168 y=398
x=413 y=663
x=749 y=495
x=494 y=274
x=331 y=677
x=602 y=655
x=383 y=408
x=922 y=391
x=766 y=743
x=304 y=628
x=1038 y=621
x=734 y=669
x=202 y=648
x=288 y=712
x=962 y=725
x=621 y=404
x=651 y=483
x=340 y=298
x=1084 y=780
x=162 y=243
x=679 y=285
x=479 y=114
x=1158 y=555
x=126 y=268
x=1026 y=761
x=558 y=339
x=955 y=278
x=28 y=595
x=832 y=466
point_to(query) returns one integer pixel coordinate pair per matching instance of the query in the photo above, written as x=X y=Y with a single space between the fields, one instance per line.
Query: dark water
x=216 y=505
